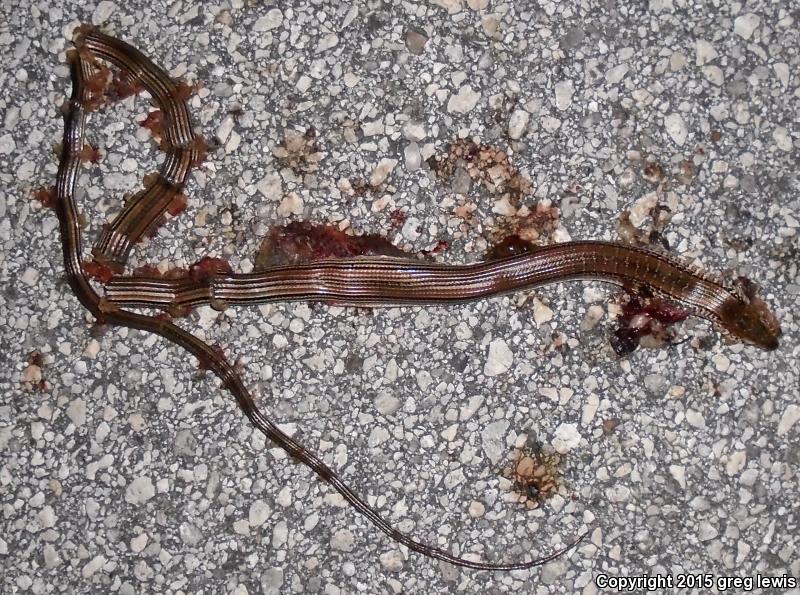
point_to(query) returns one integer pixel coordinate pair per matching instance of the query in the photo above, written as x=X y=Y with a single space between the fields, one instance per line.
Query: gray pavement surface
x=126 y=471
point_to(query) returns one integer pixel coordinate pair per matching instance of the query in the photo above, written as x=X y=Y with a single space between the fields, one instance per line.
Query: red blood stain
x=302 y=241
x=98 y=271
x=207 y=267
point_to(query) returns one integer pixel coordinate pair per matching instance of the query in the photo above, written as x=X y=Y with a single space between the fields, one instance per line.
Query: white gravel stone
x=452 y=6
x=493 y=440
x=590 y=409
x=714 y=75
x=93 y=565
x=103 y=11
x=748 y=477
x=377 y=436
x=414 y=131
x=706 y=531
x=331 y=40
x=51 y=557
x=412 y=157
x=387 y=404
x=500 y=358
x=372 y=128
x=782 y=139
x=476 y=509
x=7 y=144
x=269 y=21
x=410 y=229
x=678 y=473
x=616 y=74
x=140 y=490
x=676 y=128
x=76 y=412
x=271 y=186
x=292 y=204
x=392 y=561
x=259 y=513
x=463 y=101
x=47 y=517
x=518 y=123
x=618 y=493
x=566 y=438
x=721 y=362
x=563 y=94
x=280 y=534
x=139 y=542
x=304 y=83
x=736 y=462
x=695 y=419
x=541 y=313
x=272 y=581
x=746 y=24
x=382 y=171
x=704 y=52
x=782 y=72
x=224 y=129
x=343 y=540
x=791 y=415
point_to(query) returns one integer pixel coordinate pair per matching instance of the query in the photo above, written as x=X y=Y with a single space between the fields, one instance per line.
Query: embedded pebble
x=678 y=473
x=676 y=128
x=493 y=438
x=541 y=313
x=707 y=531
x=704 y=52
x=272 y=581
x=331 y=40
x=140 y=490
x=500 y=358
x=744 y=25
x=412 y=156
x=416 y=40
x=259 y=513
x=7 y=144
x=616 y=74
x=387 y=404
x=271 y=186
x=292 y=204
x=47 y=517
x=76 y=411
x=269 y=21
x=382 y=171
x=782 y=139
x=102 y=12
x=736 y=462
x=463 y=101
x=343 y=540
x=138 y=543
x=392 y=561
x=721 y=362
x=695 y=419
x=517 y=123
x=93 y=565
x=567 y=437
x=563 y=94
x=790 y=416
x=476 y=509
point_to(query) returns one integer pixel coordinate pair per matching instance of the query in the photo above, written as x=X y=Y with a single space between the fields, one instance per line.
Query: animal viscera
x=356 y=281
